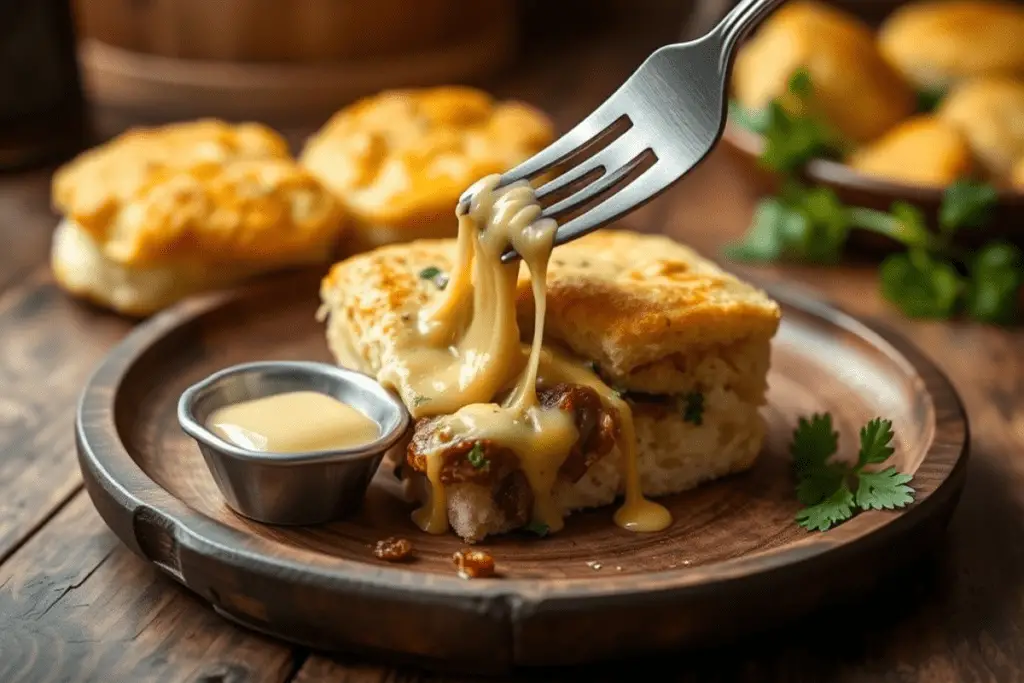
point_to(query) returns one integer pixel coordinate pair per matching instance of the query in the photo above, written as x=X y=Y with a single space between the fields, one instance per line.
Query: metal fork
x=655 y=128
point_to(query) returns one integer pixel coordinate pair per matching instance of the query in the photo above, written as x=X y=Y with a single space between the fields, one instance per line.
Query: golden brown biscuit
x=399 y=161
x=659 y=322
x=923 y=150
x=990 y=113
x=159 y=214
x=937 y=43
x=630 y=302
x=855 y=89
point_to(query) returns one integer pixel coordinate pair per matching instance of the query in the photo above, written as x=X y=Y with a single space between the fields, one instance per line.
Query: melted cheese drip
x=465 y=349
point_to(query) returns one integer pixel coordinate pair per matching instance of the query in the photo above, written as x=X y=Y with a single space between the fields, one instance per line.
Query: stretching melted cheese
x=465 y=350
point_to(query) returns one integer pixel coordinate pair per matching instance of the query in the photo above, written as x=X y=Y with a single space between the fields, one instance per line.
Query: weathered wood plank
x=75 y=605
x=49 y=346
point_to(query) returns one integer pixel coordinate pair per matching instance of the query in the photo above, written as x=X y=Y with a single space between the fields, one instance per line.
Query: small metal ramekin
x=292 y=488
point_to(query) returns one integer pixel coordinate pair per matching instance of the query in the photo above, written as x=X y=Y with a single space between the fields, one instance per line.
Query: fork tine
x=618 y=160
x=608 y=158
x=644 y=188
x=582 y=135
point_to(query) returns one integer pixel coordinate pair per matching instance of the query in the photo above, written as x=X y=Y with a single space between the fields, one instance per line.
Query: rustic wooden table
x=75 y=605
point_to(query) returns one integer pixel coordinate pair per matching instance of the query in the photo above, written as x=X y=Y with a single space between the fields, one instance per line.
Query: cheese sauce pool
x=293 y=422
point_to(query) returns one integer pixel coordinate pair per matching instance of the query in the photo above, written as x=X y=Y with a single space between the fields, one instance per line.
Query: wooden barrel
x=275 y=57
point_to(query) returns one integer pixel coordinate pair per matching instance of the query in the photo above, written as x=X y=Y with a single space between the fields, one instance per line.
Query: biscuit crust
x=646 y=309
x=399 y=160
x=203 y=192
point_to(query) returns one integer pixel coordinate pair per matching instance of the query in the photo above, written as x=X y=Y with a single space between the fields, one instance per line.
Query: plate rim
x=109 y=470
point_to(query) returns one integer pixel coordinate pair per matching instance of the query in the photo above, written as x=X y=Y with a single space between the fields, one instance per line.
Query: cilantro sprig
x=932 y=278
x=833 y=491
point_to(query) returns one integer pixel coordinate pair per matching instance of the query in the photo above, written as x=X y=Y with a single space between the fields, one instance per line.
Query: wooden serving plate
x=734 y=559
x=859 y=189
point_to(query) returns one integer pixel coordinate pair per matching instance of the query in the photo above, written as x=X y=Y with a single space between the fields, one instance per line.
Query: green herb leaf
x=419 y=400
x=837 y=508
x=764 y=240
x=928 y=99
x=814 y=442
x=538 y=528
x=920 y=285
x=805 y=224
x=435 y=275
x=875 y=442
x=996 y=275
x=791 y=141
x=911 y=227
x=429 y=273
x=800 y=84
x=823 y=486
x=966 y=204
x=477 y=458
x=754 y=120
x=693 y=407
x=885 y=490
x=819 y=483
x=829 y=223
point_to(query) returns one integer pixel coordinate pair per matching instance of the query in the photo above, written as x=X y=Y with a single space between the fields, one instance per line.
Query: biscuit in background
x=989 y=112
x=922 y=150
x=937 y=43
x=398 y=161
x=856 y=90
x=158 y=214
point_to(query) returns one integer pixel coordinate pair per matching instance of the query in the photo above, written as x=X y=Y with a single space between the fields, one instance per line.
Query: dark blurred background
x=286 y=62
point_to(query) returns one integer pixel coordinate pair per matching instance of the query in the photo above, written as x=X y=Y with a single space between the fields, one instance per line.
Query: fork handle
x=740 y=20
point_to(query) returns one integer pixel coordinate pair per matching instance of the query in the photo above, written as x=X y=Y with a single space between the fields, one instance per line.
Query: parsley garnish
x=928 y=99
x=790 y=139
x=693 y=407
x=435 y=275
x=419 y=400
x=477 y=458
x=538 y=528
x=833 y=491
x=933 y=278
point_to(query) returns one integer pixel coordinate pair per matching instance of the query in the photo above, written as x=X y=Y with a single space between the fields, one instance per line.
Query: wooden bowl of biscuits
x=932 y=96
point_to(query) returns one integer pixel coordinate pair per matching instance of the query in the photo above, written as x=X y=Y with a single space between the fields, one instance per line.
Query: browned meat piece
x=478 y=462
x=598 y=426
x=486 y=463
x=393 y=549
x=473 y=564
